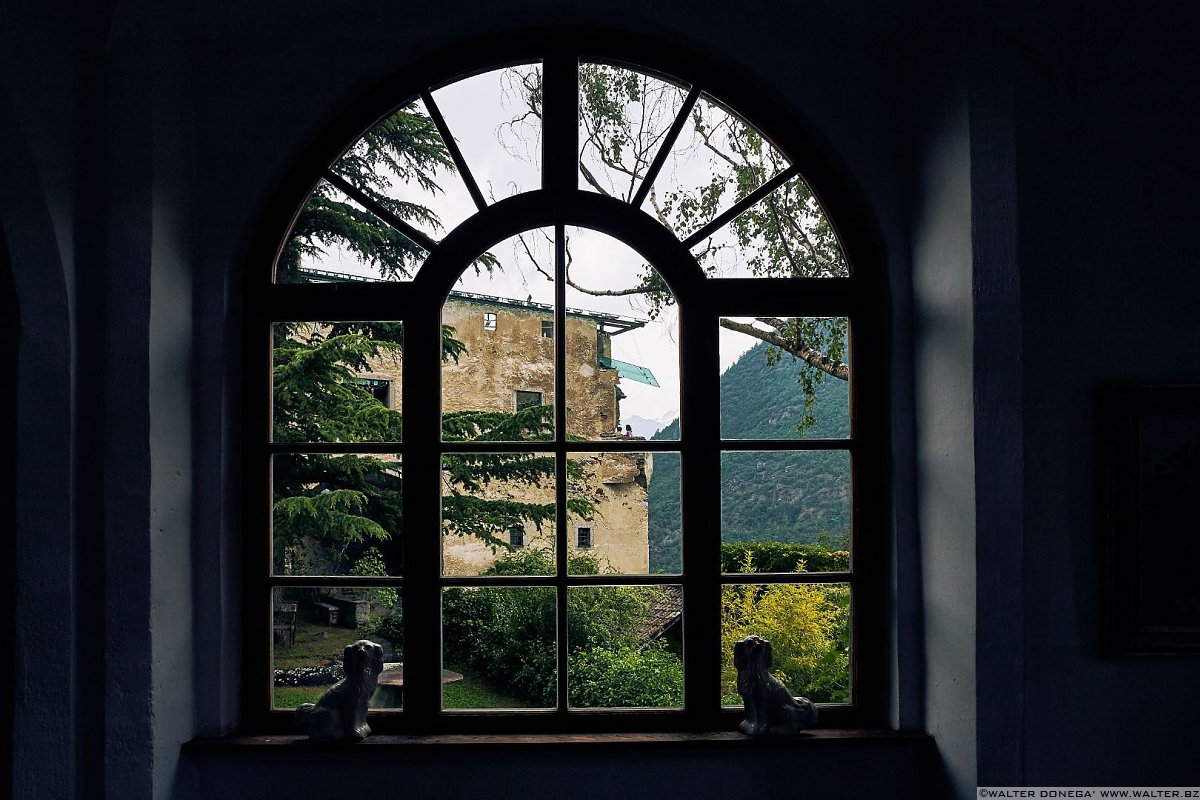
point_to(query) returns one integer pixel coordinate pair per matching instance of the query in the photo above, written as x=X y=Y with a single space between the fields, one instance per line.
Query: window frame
x=517 y=399
x=560 y=203
x=591 y=542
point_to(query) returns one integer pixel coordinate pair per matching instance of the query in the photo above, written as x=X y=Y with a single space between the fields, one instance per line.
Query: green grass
x=292 y=696
x=471 y=692
x=316 y=645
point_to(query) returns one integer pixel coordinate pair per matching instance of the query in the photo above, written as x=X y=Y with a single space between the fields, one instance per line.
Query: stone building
x=509 y=365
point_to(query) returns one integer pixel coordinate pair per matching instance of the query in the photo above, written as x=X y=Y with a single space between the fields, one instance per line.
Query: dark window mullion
x=422 y=514
x=700 y=494
x=560 y=123
x=378 y=209
x=727 y=216
x=664 y=149
x=464 y=171
x=560 y=463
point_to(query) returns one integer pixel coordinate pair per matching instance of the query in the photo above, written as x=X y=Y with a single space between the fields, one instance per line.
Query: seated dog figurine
x=341 y=713
x=770 y=708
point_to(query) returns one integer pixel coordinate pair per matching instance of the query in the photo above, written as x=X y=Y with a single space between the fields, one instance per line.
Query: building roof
x=611 y=324
x=666 y=609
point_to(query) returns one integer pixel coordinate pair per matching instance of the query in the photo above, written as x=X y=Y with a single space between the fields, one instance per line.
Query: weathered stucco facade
x=509 y=360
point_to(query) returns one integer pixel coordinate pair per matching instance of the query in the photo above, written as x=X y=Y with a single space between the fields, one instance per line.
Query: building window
x=379 y=388
x=526 y=400
x=759 y=503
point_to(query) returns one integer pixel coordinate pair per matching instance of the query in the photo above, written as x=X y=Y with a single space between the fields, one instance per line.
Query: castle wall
x=516 y=356
x=615 y=483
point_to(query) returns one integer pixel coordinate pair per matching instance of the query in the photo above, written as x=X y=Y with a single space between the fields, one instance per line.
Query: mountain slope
x=785 y=497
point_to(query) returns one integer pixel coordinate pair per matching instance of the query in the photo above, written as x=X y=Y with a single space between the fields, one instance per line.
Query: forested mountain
x=784 y=497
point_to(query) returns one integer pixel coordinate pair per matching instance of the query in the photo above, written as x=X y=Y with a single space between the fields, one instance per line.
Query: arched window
x=562 y=405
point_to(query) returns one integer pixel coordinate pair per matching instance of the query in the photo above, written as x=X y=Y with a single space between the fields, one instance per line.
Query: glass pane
x=498 y=514
x=496 y=119
x=623 y=117
x=665 y=515
x=622 y=517
x=768 y=392
x=499 y=648
x=336 y=514
x=784 y=235
x=402 y=163
x=498 y=365
x=313 y=633
x=717 y=160
x=622 y=356
x=785 y=511
x=336 y=240
x=625 y=646
x=336 y=381
x=808 y=628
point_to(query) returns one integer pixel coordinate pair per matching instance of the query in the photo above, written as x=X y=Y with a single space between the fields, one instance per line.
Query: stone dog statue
x=341 y=713
x=771 y=710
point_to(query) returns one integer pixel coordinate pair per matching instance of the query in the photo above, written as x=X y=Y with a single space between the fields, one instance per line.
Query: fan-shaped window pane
x=336 y=240
x=624 y=117
x=717 y=160
x=495 y=117
x=403 y=163
x=784 y=235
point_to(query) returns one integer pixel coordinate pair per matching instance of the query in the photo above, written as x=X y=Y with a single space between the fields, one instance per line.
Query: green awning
x=627 y=370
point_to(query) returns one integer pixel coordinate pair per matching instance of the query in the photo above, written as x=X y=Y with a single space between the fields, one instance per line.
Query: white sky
x=506 y=161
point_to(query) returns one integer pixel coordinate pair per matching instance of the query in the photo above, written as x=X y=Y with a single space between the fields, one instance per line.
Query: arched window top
x=719 y=185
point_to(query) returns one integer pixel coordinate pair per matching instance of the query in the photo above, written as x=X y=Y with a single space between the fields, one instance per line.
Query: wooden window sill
x=724 y=739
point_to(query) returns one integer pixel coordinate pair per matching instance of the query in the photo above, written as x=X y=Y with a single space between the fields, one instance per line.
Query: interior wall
x=945 y=457
x=36 y=221
x=1107 y=170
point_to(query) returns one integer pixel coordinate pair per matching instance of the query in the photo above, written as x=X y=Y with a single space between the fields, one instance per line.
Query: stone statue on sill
x=771 y=710
x=341 y=713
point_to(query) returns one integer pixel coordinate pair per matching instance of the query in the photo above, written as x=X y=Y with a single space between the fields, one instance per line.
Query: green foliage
x=403 y=148
x=372 y=564
x=391 y=627
x=783 y=557
x=625 y=677
x=507 y=635
x=807 y=626
x=330 y=509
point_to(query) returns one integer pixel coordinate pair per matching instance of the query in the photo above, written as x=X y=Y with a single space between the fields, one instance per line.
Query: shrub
x=506 y=635
x=783 y=557
x=602 y=678
x=807 y=625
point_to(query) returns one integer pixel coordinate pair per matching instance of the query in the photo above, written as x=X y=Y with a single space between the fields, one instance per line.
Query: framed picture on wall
x=1151 y=442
